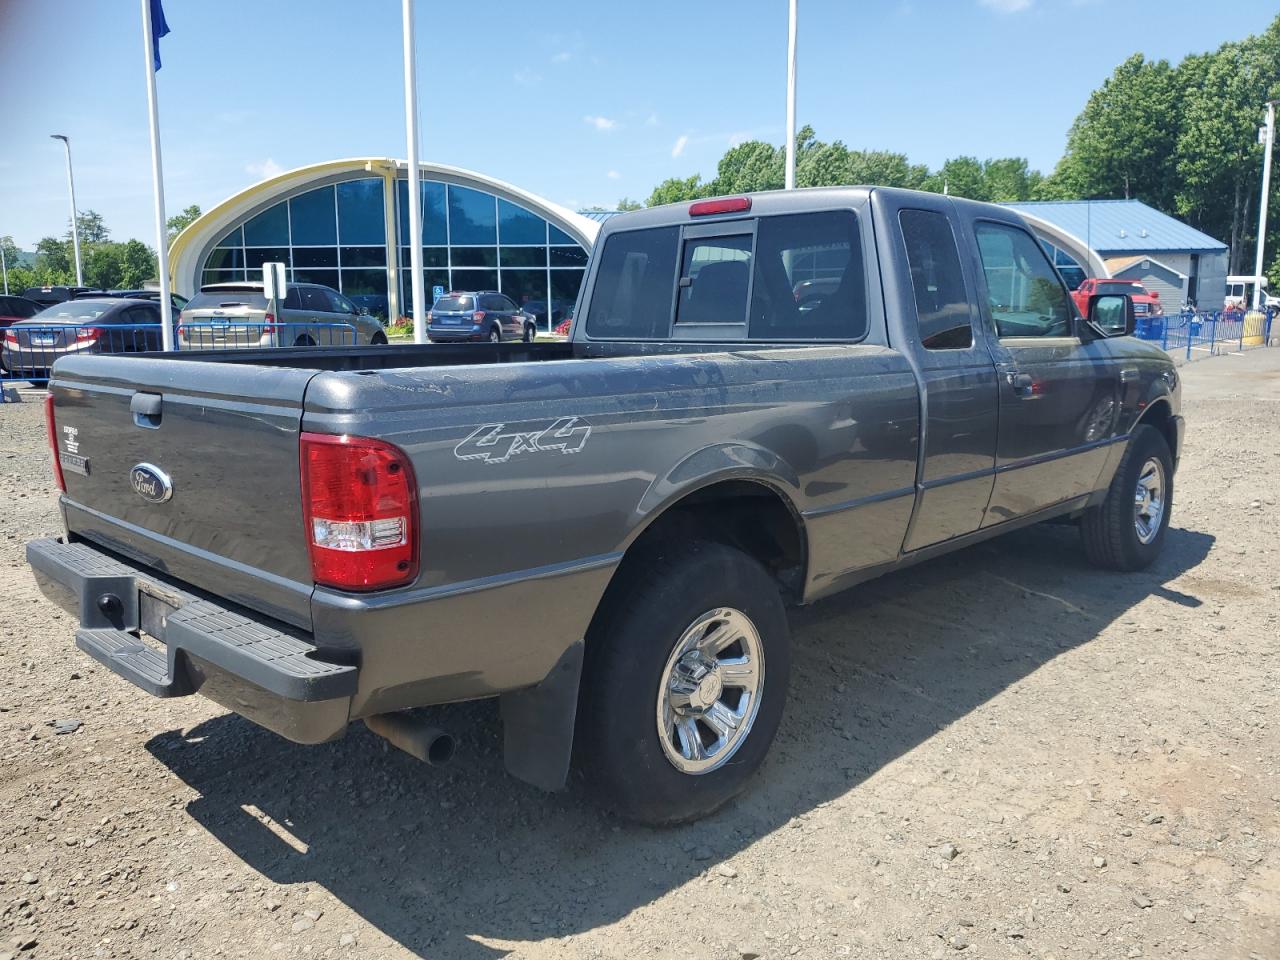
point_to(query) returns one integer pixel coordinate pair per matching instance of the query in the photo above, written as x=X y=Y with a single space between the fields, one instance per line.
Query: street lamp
x=75 y=226
x=1268 y=139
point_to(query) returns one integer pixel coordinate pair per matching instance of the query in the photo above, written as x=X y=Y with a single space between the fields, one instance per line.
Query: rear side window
x=809 y=279
x=942 y=306
x=315 y=298
x=634 y=285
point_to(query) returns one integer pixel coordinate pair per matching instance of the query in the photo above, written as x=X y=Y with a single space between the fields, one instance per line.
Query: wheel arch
x=1159 y=414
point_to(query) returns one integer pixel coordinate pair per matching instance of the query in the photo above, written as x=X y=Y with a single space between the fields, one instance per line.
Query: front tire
x=495 y=335
x=528 y=334
x=685 y=681
x=1127 y=530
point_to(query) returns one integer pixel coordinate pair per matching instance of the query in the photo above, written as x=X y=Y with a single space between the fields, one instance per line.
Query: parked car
x=45 y=296
x=102 y=325
x=237 y=315
x=536 y=310
x=1145 y=304
x=309 y=541
x=478 y=315
x=13 y=309
x=177 y=300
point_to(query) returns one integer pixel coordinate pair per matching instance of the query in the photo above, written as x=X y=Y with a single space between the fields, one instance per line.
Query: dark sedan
x=104 y=325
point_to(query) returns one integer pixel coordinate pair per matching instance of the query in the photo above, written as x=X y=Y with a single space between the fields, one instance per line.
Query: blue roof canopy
x=1121 y=226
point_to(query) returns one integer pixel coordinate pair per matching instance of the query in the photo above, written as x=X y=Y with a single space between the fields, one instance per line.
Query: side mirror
x=1112 y=314
x=362 y=311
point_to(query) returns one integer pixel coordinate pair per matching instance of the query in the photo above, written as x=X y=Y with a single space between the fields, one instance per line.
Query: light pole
x=75 y=226
x=4 y=268
x=416 y=285
x=1269 y=138
x=789 y=177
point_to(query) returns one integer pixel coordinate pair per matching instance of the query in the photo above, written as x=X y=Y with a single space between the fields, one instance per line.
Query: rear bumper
x=455 y=335
x=192 y=645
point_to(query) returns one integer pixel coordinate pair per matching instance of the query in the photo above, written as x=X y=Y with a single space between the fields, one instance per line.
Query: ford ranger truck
x=604 y=533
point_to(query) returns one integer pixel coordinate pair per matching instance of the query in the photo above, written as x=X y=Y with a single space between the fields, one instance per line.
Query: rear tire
x=529 y=334
x=648 y=670
x=304 y=341
x=1127 y=530
x=495 y=335
x=378 y=340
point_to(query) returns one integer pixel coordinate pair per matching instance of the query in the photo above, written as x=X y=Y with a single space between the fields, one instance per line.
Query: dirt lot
x=1002 y=753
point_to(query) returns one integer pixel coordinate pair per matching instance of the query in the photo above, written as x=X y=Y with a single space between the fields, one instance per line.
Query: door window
x=714 y=276
x=809 y=281
x=314 y=299
x=1025 y=293
x=339 y=304
x=292 y=299
x=942 y=306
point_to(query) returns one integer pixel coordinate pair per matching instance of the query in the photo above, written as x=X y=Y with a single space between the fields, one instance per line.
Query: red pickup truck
x=1144 y=303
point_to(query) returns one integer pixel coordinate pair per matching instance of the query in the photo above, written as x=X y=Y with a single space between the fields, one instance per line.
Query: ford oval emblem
x=150 y=483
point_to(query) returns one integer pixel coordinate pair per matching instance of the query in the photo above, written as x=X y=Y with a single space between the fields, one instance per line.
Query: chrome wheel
x=710 y=691
x=1149 y=500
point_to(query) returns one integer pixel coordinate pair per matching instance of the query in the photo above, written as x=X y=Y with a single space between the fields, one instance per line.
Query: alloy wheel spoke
x=722 y=720
x=718 y=638
x=690 y=739
x=738 y=672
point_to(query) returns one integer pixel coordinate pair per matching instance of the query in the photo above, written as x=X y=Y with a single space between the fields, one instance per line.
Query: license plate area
x=43 y=339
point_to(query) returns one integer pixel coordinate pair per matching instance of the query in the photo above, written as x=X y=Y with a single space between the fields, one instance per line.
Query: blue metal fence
x=28 y=351
x=1195 y=333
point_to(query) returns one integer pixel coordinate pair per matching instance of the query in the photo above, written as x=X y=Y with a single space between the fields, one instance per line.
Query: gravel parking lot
x=1001 y=753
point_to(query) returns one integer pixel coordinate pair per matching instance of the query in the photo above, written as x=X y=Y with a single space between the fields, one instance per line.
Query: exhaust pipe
x=414 y=736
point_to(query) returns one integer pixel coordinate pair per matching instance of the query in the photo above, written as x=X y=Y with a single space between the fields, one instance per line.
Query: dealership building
x=345 y=224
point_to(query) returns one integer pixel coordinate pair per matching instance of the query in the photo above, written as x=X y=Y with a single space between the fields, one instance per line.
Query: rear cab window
x=774 y=278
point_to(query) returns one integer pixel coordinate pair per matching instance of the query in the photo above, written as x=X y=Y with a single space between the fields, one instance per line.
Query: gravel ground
x=1002 y=753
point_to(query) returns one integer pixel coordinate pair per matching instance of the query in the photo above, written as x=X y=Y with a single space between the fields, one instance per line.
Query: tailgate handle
x=145 y=408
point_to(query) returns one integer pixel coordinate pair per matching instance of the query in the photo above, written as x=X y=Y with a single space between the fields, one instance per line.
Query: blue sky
x=580 y=101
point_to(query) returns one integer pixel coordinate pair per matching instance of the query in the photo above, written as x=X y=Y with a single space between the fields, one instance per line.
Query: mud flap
x=537 y=724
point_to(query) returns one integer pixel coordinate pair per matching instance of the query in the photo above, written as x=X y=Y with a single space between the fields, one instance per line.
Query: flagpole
x=157 y=178
x=415 y=190
x=791 y=98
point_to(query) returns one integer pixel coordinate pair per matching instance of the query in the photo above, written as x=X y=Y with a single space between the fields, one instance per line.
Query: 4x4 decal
x=496 y=443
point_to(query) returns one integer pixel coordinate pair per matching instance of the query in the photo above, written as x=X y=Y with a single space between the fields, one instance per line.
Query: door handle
x=1023 y=383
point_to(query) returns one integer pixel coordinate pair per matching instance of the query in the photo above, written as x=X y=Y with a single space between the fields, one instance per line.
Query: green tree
x=1123 y=144
x=92 y=228
x=750 y=167
x=675 y=190
x=180 y=221
x=54 y=263
x=626 y=203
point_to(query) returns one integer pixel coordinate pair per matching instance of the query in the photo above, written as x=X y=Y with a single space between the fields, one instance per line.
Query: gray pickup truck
x=765 y=399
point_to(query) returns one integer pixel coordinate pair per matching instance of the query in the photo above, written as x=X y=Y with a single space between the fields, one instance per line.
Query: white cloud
x=265 y=170
x=614 y=175
x=525 y=77
x=651 y=120
x=600 y=123
x=564 y=56
x=1006 y=6
x=678 y=148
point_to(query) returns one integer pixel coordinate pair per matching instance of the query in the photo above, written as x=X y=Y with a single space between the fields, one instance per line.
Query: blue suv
x=480 y=315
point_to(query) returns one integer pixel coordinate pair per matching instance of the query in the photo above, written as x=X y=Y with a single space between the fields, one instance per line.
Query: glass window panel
x=810 y=280
x=556 y=235
x=942 y=306
x=255 y=257
x=362 y=282
x=363 y=256
x=564 y=289
x=474 y=279
x=528 y=288
x=573 y=256
x=225 y=259
x=475 y=256
x=315 y=256
x=431 y=257
x=433 y=217
x=360 y=214
x=634 y=285
x=269 y=228
x=221 y=276
x=233 y=239
x=518 y=225
x=430 y=280
x=328 y=277
x=311 y=218
x=472 y=217
x=524 y=257
x=1024 y=292
x=718 y=270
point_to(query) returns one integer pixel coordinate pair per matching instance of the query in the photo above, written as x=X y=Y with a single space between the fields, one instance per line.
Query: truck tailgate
x=192 y=469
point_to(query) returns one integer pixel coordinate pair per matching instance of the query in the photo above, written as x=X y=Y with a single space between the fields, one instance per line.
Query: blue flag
x=158 y=29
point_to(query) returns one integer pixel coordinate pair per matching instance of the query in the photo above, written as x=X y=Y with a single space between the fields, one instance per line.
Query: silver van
x=230 y=315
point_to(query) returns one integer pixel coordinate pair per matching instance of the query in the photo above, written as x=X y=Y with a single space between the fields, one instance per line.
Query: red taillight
x=360 y=502
x=51 y=428
x=269 y=324
x=705 y=208
x=11 y=337
x=479 y=316
x=88 y=334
